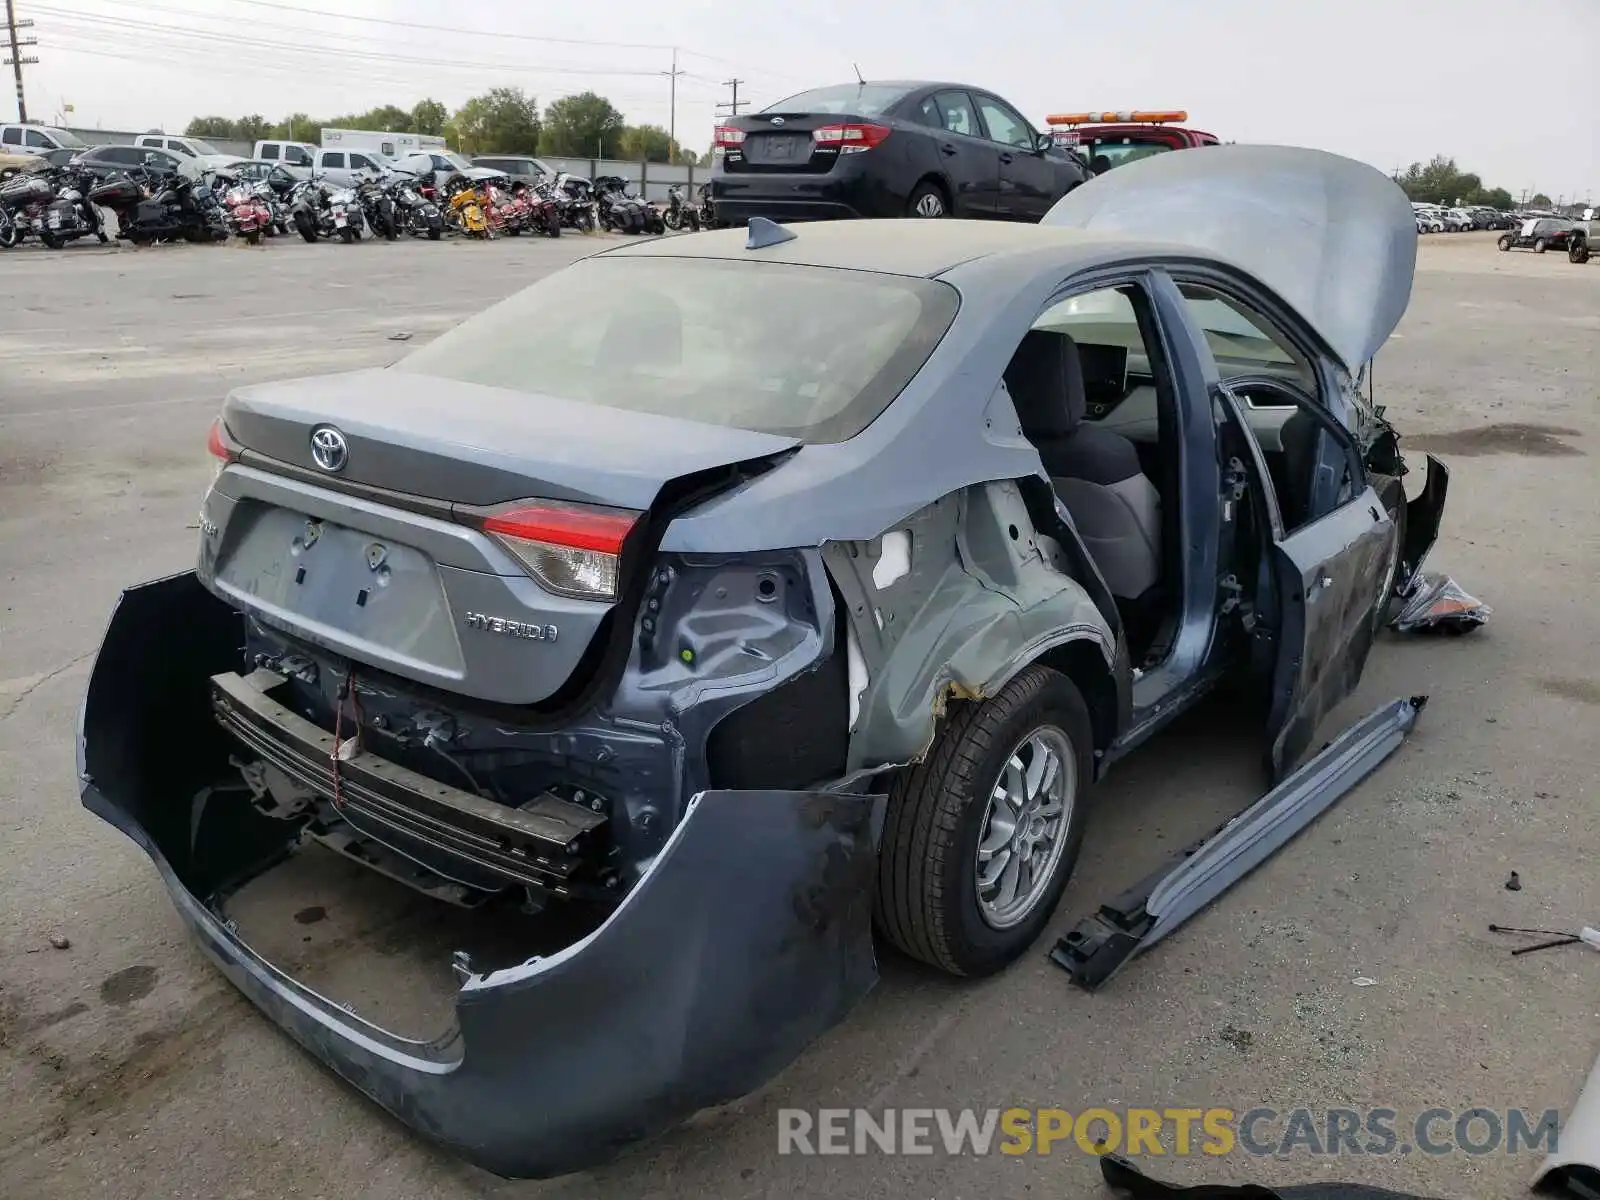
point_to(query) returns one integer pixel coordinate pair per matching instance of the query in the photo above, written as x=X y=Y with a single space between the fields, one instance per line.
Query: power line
x=205 y=35
x=732 y=105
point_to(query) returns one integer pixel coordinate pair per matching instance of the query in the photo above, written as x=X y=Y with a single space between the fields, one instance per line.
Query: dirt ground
x=1354 y=970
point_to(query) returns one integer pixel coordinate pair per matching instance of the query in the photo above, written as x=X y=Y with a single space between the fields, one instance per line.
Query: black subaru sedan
x=903 y=149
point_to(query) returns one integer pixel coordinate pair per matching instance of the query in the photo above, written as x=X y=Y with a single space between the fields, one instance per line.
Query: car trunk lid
x=471 y=538
x=795 y=142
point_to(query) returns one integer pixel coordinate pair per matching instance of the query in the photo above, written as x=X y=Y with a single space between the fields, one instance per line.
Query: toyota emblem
x=329 y=448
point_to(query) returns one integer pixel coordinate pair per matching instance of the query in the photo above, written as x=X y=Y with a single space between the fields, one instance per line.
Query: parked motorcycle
x=51 y=205
x=414 y=213
x=622 y=212
x=378 y=207
x=152 y=207
x=576 y=199
x=544 y=209
x=249 y=215
x=681 y=212
x=464 y=208
x=321 y=210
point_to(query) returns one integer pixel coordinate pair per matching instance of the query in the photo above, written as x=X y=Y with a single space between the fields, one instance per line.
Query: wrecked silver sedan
x=742 y=593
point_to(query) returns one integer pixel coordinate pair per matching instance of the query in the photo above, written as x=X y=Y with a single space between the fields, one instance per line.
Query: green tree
x=1539 y=200
x=503 y=120
x=385 y=117
x=582 y=125
x=429 y=117
x=651 y=143
x=253 y=128
x=209 y=127
x=298 y=127
x=1499 y=198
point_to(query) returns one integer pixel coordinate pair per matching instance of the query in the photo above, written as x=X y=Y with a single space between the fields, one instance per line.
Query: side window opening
x=1312 y=470
x=269 y=152
x=1094 y=395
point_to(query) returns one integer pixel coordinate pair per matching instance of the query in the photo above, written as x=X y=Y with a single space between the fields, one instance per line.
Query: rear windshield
x=68 y=139
x=856 y=99
x=806 y=352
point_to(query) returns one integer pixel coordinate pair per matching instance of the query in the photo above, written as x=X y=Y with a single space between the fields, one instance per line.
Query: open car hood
x=1335 y=238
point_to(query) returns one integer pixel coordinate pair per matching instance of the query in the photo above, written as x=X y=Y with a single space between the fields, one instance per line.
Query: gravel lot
x=128 y=1068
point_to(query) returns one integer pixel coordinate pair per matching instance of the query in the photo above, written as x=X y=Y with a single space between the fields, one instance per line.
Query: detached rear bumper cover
x=746 y=940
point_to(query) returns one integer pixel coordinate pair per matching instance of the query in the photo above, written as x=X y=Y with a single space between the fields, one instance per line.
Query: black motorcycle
x=377 y=206
x=575 y=198
x=322 y=210
x=622 y=212
x=152 y=206
x=681 y=213
x=414 y=213
x=51 y=205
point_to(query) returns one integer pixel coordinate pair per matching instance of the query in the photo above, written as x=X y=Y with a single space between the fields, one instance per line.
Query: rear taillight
x=728 y=138
x=221 y=447
x=850 y=139
x=571 y=549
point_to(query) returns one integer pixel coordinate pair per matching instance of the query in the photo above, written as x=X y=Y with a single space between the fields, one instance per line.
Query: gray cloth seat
x=1096 y=472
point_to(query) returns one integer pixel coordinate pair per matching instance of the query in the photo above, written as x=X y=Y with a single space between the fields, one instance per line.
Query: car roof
x=893 y=247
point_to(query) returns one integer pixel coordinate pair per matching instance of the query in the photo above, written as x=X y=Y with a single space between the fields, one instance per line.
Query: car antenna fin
x=765 y=232
x=859 y=80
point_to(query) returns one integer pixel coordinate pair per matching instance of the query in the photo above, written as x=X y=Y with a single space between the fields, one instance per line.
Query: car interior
x=1072 y=369
x=1100 y=408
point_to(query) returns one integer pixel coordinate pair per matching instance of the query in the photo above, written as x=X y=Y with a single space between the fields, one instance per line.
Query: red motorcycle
x=248 y=216
x=506 y=212
x=544 y=210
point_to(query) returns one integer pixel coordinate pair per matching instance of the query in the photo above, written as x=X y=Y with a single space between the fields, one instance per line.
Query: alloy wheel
x=1024 y=827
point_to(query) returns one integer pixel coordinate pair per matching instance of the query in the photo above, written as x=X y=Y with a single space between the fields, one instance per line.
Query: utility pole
x=735 y=104
x=672 y=118
x=16 y=61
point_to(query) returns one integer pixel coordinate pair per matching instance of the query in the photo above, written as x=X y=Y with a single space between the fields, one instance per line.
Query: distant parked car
x=444 y=163
x=1540 y=234
x=203 y=152
x=12 y=162
x=520 y=168
x=1458 y=220
x=103 y=161
x=37 y=138
x=909 y=149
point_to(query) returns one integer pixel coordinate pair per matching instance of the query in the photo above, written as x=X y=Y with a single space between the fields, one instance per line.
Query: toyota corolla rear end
x=830 y=153
x=433 y=629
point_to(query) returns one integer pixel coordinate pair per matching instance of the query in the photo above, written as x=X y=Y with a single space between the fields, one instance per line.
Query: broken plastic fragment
x=894 y=559
x=1438 y=604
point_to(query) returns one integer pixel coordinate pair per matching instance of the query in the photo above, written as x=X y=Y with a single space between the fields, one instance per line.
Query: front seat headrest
x=1045 y=380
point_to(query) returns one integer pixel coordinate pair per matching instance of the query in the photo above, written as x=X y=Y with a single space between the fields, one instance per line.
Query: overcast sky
x=1507 y=88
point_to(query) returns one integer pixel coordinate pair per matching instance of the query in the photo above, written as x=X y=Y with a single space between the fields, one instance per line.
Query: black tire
x=1505 y=242
x=348 y=235
x=1540 y=245
x=253 y=238
x=1578 y=252
x=928 y=201
x=51 y=242
x=306 y=227
x=434 y=233
x=927 y=895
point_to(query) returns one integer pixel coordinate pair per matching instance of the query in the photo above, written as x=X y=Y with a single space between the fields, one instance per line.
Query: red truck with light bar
x=1109 y=139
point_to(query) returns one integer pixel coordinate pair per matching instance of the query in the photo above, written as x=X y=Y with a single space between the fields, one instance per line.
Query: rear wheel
x=1578 y=252
x=253 y=237
x=347 y=235
x=928 y=200
x=980 y=838
x=1540 y=245
x=1505 y=242
x=307 y=228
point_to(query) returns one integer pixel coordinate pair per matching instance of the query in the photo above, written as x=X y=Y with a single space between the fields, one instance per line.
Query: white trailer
x=390 y=145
